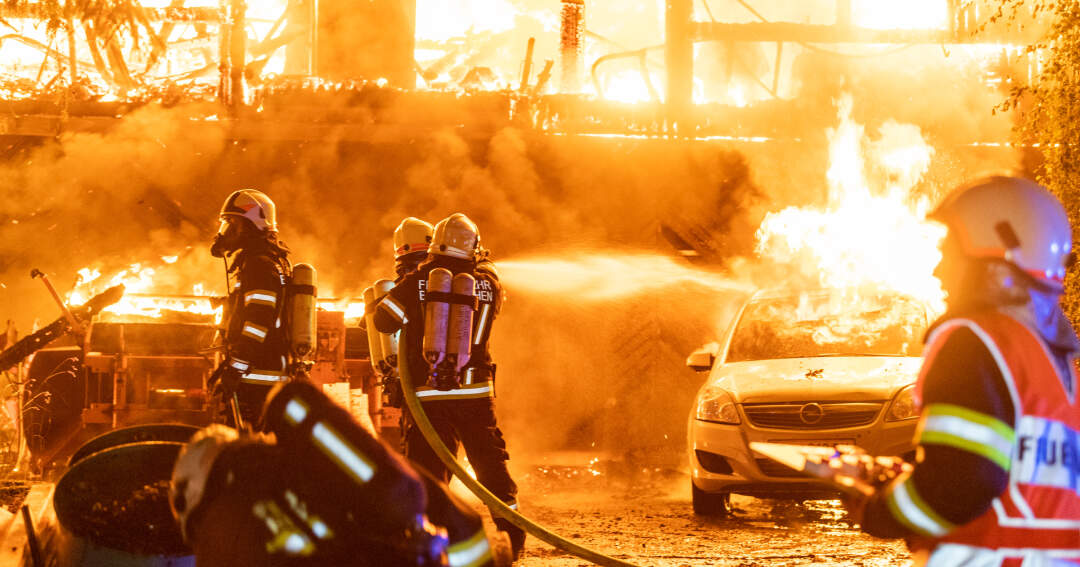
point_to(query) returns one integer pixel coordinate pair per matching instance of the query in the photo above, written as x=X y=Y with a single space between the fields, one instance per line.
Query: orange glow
x=627 y=86
x=354 y=310
x=737 y=96
x=154 y=292
x=910 y=14
x=441 y=20
x=592 y=468
x=140 y=298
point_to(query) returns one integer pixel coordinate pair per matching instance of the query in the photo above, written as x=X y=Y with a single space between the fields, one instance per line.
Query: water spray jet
x=594 y=276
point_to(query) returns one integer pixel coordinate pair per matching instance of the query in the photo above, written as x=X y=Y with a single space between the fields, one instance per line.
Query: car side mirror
x=701 y=360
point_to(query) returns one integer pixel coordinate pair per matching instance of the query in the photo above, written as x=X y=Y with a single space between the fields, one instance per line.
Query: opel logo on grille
x=811 y=414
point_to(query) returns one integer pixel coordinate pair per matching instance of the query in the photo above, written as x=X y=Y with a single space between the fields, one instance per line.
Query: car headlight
x=716 y=405
x=903 y=405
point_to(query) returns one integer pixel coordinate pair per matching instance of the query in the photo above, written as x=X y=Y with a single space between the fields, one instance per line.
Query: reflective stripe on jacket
x=1037 y=518
x=253 y=326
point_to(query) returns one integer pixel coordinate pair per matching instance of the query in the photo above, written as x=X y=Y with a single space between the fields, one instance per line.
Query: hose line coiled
x=497 y=507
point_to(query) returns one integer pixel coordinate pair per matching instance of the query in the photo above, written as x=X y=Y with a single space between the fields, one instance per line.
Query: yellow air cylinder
x=388 y=341
x=436 y=316
x=460 y=328
x=374 y=342
x=303 y=307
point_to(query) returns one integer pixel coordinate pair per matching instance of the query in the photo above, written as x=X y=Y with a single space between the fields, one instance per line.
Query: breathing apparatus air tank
x=437 y=320
x=460 y=327
x=389 y=341
x=302 y=310
x=375 y=352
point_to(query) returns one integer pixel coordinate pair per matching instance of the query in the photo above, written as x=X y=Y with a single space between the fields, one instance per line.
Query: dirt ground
x=644 y=517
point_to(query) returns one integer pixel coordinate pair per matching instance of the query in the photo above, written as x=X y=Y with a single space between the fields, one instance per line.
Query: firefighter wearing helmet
x=446 y=309
x=995 y=477
x=411 y=241
x=411 y=238
x=257 y=270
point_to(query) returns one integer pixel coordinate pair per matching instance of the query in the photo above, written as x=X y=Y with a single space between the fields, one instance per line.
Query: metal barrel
x=112 y=509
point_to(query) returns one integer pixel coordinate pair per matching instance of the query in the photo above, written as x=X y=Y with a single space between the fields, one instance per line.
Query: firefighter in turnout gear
x=257 y=269
x=412 y=237
x=446 y=309
x=995 y=478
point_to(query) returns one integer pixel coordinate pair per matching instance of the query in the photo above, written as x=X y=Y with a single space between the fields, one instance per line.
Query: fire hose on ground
x=497 y=507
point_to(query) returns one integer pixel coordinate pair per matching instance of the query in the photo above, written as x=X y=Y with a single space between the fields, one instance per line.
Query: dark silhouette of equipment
x=75 y=325
x=33 y=342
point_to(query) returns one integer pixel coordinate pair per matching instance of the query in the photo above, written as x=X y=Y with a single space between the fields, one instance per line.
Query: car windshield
x=828 y=324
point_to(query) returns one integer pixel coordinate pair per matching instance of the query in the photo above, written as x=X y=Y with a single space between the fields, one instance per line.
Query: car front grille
x=812 y=416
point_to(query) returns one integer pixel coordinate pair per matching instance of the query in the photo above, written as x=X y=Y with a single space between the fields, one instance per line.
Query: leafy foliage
x=1049 y=108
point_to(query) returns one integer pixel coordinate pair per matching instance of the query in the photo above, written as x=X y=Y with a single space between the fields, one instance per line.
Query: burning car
x=817 y=368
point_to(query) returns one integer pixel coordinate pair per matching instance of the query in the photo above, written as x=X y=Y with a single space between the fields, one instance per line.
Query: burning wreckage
x=119 y=382
x=109 y=399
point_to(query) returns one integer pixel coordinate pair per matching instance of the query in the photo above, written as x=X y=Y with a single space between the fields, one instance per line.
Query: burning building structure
x=411 y=63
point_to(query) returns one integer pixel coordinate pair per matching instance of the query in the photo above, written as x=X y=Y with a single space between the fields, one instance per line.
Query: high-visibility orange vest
x=1038 y=515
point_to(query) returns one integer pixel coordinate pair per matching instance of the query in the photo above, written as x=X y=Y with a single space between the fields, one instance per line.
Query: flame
x=836 y=322
x=139 y=298
x=353 y=309
x=149 y=295
x=873 y=232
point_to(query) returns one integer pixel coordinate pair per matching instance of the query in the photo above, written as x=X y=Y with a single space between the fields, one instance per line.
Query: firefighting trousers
x=469 y=424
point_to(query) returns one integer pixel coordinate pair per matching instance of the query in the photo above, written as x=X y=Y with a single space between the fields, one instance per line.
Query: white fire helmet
x=1012 y=219
x=412 y=235
x=192 y=469
x=456 y=236
x=252 y=205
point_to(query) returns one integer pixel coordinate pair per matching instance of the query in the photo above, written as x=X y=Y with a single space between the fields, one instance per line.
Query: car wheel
x=710 y=504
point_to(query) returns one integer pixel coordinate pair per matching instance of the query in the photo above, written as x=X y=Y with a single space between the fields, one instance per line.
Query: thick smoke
x=106 y=200
x=152 y=187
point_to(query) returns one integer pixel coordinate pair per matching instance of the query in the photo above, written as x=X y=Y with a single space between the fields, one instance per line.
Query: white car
x=818 y=368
